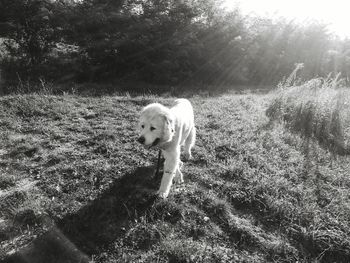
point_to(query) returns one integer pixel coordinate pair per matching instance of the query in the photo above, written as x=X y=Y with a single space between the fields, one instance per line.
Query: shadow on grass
x=76 y=237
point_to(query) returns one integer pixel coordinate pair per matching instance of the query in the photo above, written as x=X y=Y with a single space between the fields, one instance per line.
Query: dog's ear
x=169 y=122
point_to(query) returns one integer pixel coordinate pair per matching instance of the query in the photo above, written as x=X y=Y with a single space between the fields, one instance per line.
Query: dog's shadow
x=76 y=237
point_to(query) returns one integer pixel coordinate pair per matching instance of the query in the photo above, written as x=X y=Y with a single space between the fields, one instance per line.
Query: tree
x=27 y=29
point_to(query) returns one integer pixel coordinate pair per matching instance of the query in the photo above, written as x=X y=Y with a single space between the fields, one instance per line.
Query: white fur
x=171 y=128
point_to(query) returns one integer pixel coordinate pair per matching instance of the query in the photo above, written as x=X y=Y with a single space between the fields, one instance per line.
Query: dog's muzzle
x=142 y=141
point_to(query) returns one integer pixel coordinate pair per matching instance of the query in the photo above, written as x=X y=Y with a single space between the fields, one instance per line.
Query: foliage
x=27 y=29
x=168 y=42
x=29 y=32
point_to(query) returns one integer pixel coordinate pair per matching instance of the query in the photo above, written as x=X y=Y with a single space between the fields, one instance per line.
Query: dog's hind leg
x=179 y=178
x=189 y=143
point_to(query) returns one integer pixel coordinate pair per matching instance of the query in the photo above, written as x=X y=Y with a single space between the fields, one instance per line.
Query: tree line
x=162 y=42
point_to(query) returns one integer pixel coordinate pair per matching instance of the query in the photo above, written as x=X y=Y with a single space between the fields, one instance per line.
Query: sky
x=336 y=13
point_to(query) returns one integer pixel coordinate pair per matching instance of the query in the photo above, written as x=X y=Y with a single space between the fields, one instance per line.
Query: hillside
x=76 y=187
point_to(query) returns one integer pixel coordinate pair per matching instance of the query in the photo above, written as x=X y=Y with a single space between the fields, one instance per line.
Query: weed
x=317 y=110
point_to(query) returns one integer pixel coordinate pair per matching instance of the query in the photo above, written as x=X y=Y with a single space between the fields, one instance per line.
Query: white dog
x=168 y=129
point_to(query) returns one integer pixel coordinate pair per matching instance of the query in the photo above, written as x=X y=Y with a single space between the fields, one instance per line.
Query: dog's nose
x=141 y=140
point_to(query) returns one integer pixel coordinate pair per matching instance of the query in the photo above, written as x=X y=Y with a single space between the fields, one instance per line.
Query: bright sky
x=336 y=13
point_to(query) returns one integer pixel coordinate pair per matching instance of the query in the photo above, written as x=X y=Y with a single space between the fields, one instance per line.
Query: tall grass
x=318 y=110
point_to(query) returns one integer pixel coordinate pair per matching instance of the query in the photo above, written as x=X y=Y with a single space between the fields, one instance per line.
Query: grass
x=77 y=188
x=318 y=110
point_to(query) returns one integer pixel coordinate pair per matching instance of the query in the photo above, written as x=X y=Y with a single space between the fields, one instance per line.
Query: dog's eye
x=142 y=126
x=152 y=128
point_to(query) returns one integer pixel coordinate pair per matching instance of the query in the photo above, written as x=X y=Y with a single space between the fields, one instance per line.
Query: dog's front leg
x=172 y=161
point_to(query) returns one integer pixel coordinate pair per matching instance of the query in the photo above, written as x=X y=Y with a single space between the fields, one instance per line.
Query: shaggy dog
x=168 y=129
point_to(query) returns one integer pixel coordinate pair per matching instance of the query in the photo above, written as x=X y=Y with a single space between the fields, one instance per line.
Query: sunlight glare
x=334 y=13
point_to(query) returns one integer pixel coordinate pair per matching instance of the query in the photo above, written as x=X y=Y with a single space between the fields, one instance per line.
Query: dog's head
x=156 y=125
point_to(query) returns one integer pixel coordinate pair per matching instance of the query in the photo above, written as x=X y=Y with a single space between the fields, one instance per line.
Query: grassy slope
x=75 y=183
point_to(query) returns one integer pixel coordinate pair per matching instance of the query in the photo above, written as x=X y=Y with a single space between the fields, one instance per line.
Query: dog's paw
x=162 y=194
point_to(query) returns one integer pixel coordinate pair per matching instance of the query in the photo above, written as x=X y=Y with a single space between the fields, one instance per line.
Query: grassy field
x=76 y=187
